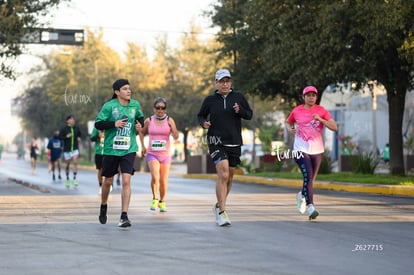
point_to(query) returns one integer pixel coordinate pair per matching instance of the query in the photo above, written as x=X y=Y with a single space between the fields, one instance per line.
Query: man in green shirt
x=121 y=120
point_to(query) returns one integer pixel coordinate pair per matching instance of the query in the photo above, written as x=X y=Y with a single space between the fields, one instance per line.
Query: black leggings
x=309 y=166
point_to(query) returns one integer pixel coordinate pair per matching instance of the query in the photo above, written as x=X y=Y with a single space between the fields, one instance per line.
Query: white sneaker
x=301 y=203
x=223 y=219
x=312 y=212
x=216 y=211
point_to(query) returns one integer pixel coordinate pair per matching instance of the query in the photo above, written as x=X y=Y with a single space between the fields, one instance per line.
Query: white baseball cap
x=222 y=73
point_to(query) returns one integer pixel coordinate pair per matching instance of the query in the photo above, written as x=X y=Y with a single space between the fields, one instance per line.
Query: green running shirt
x=120 y=142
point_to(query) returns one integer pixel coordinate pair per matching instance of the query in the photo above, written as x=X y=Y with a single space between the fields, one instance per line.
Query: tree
x=284 y=45
x=189 y=77
x=18 y=18
x=74 y=81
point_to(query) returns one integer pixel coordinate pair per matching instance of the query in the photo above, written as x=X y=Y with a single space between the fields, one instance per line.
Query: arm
x=95 y=134
x=203 y=115
x=141 y=136
x=103 y=122
x=173 y=127
x=290 y=127
x=330 y=123
x=245 y=111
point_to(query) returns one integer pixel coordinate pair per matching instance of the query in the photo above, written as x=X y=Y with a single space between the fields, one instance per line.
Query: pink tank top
x=159 y=137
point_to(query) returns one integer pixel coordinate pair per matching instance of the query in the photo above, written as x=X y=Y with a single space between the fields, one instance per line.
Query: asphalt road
x=47 y=228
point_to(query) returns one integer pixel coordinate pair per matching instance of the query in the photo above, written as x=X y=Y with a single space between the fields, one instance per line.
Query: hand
x=206 y=124
x=317 y=117
x=138 y=127
x=121 y=123
x=236 y=108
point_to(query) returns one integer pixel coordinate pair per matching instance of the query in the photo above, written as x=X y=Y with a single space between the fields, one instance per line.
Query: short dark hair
x=160 y=99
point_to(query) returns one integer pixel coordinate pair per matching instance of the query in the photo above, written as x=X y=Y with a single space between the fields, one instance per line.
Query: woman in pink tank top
x=159 y=126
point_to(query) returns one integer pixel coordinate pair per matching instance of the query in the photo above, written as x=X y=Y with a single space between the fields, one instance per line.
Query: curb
x=334 y=186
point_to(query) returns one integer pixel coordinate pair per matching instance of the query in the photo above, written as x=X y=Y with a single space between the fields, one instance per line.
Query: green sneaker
x=163 y=207
x=154 y=204
x=75 y=182
x=67 y=183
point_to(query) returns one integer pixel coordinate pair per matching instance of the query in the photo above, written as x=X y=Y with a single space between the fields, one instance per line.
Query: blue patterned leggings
x=309 y=166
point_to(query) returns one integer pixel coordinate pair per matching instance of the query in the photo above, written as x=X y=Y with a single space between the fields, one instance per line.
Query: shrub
x=366 y=163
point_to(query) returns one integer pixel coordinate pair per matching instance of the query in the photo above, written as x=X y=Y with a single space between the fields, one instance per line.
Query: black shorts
x=220 y=152
x=110 y=164
x=98 y=161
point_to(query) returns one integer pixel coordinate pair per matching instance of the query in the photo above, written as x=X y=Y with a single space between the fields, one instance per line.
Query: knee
x=224 y=176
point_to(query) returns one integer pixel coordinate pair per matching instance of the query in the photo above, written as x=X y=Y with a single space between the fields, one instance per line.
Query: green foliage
x=366 y=163
x=281 y=46
x=266 y=134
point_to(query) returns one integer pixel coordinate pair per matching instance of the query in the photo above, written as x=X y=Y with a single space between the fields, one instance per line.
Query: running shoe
x=216 y=211
x=223 y=219
x=53 y=177
x=102 y=214
x=154 y=204
x=301 y=203
x=67 y=183
x=312 y=212
x=124 y=222
x=59 y=177
x=75 y=183
x=163 y=207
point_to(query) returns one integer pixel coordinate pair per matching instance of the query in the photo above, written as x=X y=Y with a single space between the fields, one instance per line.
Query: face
x=160 y=108
x=310 y=98
x=224 y=85
x=71 y=121
x=124 y=93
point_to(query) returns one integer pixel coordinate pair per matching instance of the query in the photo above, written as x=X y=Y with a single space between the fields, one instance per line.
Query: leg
x=75 y=165
x=100 y=178
x=222 y=183
x=316 y=164
x=52 y=166
x=58 y=166
x=106 y=187
x=67 y=168
x=52 y=169
x=164 y=172
x=304 y=164
x=32 y=164
x=154 y=167
x=126 y=191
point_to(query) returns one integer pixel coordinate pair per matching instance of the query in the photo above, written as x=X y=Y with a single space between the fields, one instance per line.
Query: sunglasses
x=160 y=107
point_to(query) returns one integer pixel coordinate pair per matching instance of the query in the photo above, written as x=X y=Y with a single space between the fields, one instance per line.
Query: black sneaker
x=124 y=222
x=102 y=214
x=54 y=178
x=59 y=177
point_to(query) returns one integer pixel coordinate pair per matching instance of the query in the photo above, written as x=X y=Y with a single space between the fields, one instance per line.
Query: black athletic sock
x=124 y=215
